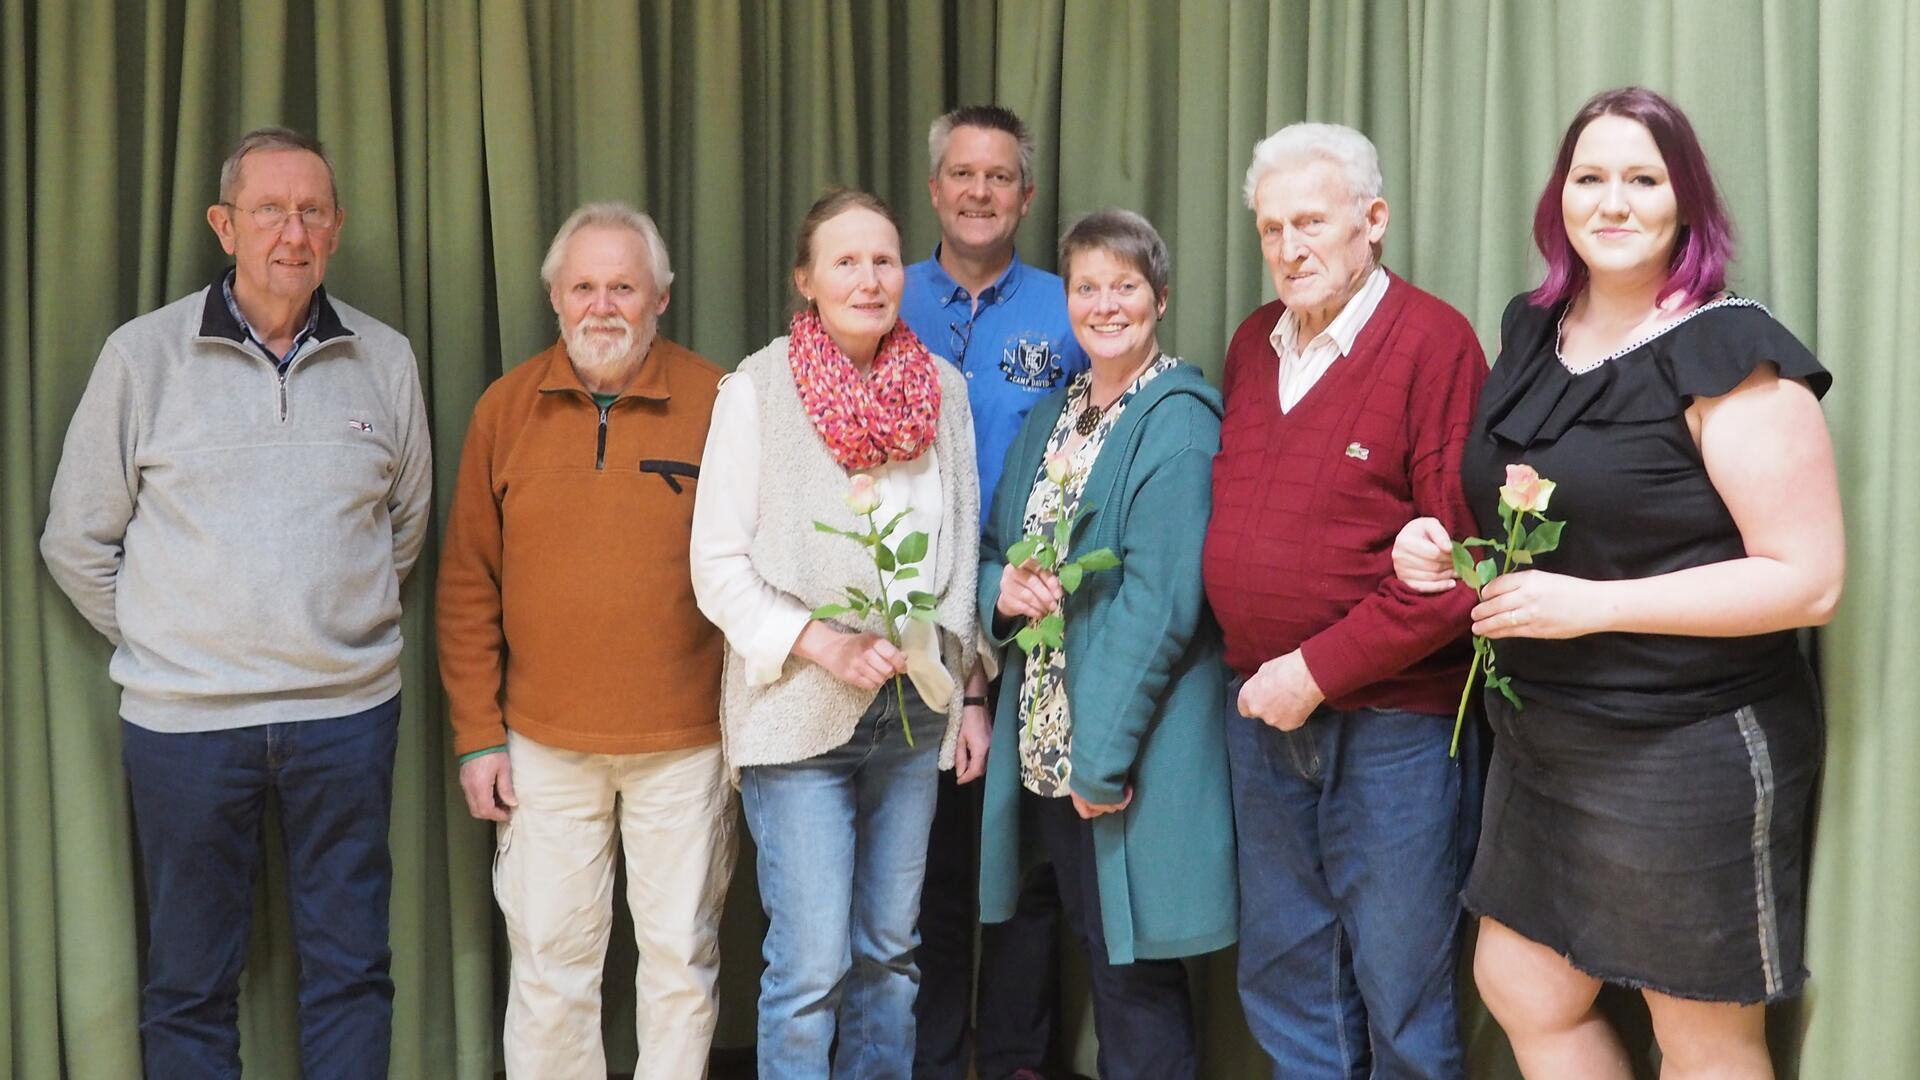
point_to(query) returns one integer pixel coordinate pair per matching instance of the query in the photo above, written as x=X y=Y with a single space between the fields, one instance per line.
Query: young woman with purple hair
x=1646 y=813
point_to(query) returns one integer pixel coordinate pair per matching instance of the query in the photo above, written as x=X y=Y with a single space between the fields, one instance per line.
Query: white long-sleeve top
x=761 y=622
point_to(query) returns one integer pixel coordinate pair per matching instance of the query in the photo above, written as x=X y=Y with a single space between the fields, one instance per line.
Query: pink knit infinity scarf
x=889 y=414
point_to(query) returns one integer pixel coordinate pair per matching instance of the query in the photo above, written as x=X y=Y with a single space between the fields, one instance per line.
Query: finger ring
x=1513 y=619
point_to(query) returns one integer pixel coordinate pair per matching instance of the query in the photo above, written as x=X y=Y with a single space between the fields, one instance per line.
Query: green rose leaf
x=830 y=611
x=925 y=615
x=907 y=572
x=1463 y=565
x=898 y=610
x=1053 y=629
x=912 y=549
x=1545 y=538
x=1022 y=551
x=887 y=529
x=1070 y=576
x=1506 y=691
x=883 y=558
x=924 y=600
x=1101 y=559
x=1485 y=571
x=1028 y=638
x=1046 y=556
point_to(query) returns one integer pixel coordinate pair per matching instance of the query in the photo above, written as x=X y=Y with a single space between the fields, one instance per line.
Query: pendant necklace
x=1090 y=414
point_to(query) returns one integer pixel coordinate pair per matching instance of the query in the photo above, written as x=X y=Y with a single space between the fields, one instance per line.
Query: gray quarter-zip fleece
x=240 y=534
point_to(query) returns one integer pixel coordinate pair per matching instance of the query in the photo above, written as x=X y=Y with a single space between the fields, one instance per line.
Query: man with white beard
x=583 y=681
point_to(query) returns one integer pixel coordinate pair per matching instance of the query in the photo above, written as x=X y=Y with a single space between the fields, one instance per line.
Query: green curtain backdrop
x=464 y=130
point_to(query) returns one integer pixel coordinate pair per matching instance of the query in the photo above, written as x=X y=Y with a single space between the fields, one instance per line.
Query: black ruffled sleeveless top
x=1635 y=495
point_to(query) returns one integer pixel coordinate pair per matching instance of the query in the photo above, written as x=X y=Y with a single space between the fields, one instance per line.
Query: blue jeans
x=198 y=800
x=1351 y=860
x=842 y=853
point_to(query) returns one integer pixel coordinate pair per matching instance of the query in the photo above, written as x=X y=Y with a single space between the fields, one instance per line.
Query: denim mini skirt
x=1667 y=857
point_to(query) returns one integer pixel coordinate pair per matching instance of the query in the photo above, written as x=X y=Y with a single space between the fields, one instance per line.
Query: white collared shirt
x=1301 y=368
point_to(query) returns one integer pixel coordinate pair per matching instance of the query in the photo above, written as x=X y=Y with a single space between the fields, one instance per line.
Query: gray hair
x=991 y=117
x=1124 y=235
x=1298 y=144
x=616 y=215
x=272 y=138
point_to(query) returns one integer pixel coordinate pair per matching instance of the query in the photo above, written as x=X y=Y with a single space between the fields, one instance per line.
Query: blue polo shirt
x=1015 y=349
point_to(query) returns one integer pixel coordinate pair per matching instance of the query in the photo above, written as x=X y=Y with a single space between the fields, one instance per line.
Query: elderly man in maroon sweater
x=1348 y=401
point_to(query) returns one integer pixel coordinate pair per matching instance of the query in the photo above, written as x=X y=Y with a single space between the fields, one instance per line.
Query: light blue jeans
x=842 y=853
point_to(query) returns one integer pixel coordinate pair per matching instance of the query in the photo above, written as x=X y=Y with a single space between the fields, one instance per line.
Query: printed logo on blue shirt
x=1034 y=364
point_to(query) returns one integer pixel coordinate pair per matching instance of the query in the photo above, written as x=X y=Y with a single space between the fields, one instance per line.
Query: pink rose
x=1525 y=491
x=1059 y=467
x=863 y=495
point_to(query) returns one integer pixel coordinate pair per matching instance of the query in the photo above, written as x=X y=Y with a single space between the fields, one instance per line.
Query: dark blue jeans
x=198 y=800
x=1352 y=853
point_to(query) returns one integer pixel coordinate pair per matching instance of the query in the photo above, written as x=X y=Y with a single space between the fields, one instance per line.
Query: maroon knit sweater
x=1306 y=505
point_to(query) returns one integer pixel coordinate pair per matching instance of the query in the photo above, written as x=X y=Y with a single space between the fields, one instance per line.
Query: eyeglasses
x=962 y=333
x=273 y=218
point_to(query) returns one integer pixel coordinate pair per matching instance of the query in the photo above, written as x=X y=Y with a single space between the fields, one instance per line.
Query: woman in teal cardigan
x=1110 y=752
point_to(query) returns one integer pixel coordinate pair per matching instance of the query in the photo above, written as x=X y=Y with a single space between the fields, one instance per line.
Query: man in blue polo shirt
x=1003 y=323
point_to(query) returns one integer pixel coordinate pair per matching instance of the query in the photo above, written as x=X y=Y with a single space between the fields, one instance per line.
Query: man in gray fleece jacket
x=244 y=485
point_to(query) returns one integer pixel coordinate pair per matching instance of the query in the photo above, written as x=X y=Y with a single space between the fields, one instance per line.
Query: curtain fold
x=1862 y=264
x=465 y=130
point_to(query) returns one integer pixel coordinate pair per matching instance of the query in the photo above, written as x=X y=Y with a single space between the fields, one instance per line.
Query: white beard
x=594 y=352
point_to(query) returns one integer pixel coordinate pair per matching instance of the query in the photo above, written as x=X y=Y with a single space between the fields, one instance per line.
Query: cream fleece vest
x=806 y=711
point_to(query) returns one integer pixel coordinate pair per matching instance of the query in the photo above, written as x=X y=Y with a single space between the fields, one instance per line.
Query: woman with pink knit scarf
x=837 y=784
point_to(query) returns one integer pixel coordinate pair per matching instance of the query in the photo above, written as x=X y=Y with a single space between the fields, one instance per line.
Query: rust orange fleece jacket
x=565 y=605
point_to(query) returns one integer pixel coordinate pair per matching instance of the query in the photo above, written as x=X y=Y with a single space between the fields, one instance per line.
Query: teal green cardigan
x=1146 y=684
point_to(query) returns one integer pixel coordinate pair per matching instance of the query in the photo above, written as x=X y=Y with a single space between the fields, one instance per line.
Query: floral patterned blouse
x=1046 y=743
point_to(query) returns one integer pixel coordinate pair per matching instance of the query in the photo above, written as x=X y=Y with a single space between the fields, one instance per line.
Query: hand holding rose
x=1027 y=591
x=862 y=659
x=1536 y=604
x=1528 y=604
x=858 y=659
